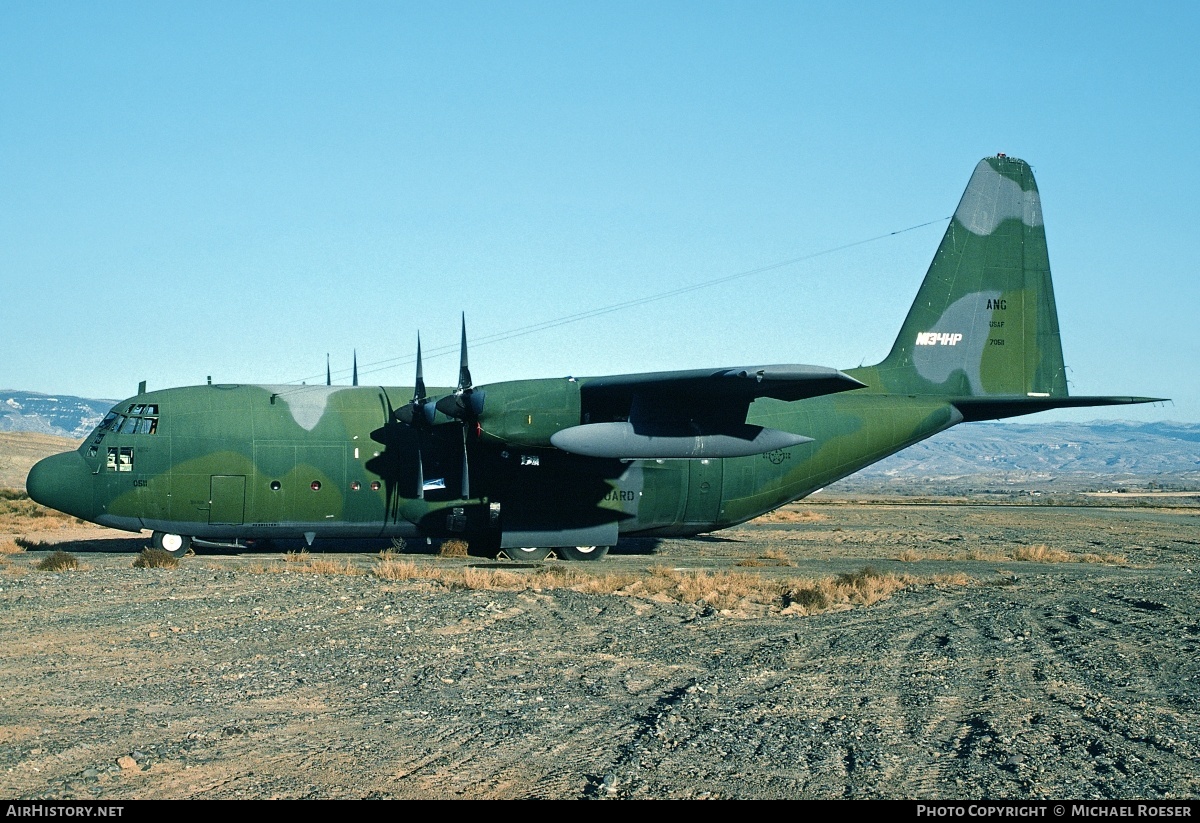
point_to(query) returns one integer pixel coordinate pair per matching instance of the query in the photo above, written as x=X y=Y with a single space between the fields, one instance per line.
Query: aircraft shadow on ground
x=136 y=544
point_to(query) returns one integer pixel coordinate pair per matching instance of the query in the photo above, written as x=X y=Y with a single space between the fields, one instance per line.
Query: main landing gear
x=582 y=552
x=538 y=554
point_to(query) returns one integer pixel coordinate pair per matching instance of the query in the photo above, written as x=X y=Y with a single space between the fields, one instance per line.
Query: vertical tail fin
x=984 y=322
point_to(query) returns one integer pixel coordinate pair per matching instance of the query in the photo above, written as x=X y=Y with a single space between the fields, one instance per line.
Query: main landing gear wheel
x=528 y=555
x=176 y=545
x=582 y=552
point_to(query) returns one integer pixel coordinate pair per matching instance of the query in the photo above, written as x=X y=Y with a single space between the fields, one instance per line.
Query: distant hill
x=1053 y=456
x=58 y=414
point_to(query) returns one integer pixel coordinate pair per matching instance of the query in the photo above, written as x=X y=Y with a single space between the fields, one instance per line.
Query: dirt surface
x=237 y=676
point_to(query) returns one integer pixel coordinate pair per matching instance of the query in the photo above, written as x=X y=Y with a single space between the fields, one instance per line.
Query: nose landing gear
x=176 y=545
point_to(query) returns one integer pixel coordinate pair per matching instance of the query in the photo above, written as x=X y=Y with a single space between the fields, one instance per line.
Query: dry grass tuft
x=977 y=554
x=1040 y=553
x=58 y=561
x=453 y=548
x=861 y=588
x=909 y=556
x=9 y=546
x=327 y=565
x=155 y=559
x=389 y=568
x=786 y=515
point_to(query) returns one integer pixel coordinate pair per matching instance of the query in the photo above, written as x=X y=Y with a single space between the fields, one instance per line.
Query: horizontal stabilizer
x=621 y=441
x=995 y=408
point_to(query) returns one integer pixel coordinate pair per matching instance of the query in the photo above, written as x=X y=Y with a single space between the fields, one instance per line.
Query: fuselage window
x=108 y=422
x=275 y=485
x=112 y=459
x=127 y=425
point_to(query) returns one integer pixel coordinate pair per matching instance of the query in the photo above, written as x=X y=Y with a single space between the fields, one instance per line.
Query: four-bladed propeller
x=418 y=414
x=464 y=405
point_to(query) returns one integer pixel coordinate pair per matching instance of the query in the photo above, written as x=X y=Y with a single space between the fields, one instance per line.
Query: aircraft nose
x=62 y=482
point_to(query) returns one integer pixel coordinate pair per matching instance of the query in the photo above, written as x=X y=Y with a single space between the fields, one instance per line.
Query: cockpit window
x=141 y=419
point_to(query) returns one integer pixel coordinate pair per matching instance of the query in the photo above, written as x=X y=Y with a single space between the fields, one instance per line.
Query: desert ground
x=840 y=648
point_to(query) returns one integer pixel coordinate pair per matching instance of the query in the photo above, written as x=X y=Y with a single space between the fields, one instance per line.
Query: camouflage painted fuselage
x=229 y=462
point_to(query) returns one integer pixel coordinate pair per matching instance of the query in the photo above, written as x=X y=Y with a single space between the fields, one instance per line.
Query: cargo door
x=227 y=500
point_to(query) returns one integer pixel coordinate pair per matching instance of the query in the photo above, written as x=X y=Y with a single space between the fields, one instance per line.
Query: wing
x=688 y=414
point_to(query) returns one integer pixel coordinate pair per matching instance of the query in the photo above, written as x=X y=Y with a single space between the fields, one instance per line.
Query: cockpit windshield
x=136 y=418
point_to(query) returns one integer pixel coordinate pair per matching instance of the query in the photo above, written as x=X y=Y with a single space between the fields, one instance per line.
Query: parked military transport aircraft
x=570 y=464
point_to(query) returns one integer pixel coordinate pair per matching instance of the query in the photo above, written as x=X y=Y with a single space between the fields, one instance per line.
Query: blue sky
x=237 y=189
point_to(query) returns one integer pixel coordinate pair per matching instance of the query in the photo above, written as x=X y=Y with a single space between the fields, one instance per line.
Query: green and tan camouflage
x=573 y=464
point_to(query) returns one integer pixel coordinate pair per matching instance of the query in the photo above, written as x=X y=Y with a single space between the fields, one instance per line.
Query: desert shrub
x=811 y=598
x=389 y=568
x=58 y=561
x=16 y=509
x=8 y=546
x=155 y=559
x=786 y=515
x=326 y=565
x=1040 y=553
x=453 y=548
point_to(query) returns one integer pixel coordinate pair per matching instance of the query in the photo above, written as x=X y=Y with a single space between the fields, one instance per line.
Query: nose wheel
x=176 y=545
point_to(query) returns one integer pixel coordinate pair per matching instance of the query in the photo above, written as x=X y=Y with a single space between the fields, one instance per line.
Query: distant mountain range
x=1017 y=452
x=1046 y=455
x=57 y=414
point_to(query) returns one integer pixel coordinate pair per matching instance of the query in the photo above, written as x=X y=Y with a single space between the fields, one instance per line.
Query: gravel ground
x=234 y=676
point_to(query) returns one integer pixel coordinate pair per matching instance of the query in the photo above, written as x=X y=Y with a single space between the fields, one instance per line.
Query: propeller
x=465 y=405
x=419 y=414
